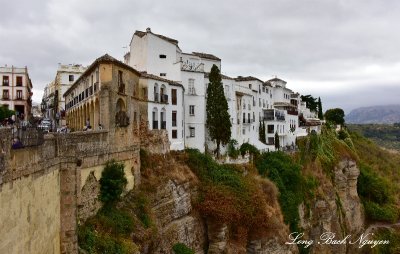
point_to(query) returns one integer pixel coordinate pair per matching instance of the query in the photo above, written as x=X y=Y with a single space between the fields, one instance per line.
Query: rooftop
x=207 y=56
x=144 y=74
x=148 y=30
x=248 y=78
x=103 y=59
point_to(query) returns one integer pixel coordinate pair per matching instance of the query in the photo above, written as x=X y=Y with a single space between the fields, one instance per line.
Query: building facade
x=53 y=99
x=16 y=91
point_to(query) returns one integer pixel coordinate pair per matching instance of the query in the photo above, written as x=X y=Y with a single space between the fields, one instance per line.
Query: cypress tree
x=277 y=141
x=320 y=114
x=264 y=138
x=218 y=119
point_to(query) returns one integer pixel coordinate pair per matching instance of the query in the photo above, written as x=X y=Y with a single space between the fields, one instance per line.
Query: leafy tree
x=320 y=114
x=5 y=112
x=277 y=141
x=335 y=115
x=218 y=119
x=311 y=102
x=112 y=182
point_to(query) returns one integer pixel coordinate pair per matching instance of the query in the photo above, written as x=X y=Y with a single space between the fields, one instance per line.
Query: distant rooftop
x=248 y=78
x=207 y=56
x=148 y=30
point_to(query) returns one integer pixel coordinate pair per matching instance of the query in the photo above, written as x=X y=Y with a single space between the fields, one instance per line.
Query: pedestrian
x=17 y=144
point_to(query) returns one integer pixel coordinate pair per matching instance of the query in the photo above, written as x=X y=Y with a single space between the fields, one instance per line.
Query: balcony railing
x=164 y=98
x=155 y=125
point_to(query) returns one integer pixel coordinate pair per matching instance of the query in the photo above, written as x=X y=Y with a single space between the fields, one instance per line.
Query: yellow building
x=105 y=96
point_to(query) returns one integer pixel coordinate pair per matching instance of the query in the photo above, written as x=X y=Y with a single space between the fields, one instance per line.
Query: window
x=5 y=95
x=173 y=96
x=244 y=117
x=174 y=134
x=19 y=80
x=163 y=74
x=248 y=118
x=121 y=85
x=270 y=128
x=163 y=56
x=19 y=94
x=227 y=94
x=173 y=118
x=6 y=81
x=191 y=110
x=191 y=132
x=244 y=131
x=191 y=89
x=250 y=86
x=71 y=78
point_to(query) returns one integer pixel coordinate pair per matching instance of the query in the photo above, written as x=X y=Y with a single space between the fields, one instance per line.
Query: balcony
x=163 y=125
x=164 y=98
x=293 y=112
x=155 y=125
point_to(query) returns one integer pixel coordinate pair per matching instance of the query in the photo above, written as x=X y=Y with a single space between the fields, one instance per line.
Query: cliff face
x=338 y=210
x=173 y=191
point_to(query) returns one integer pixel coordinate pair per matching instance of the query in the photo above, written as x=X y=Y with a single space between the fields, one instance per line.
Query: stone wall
x=44 y=190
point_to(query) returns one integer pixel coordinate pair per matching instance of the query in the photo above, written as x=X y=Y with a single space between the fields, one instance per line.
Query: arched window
x=163 y=119
x=163 y=94
x=155 y=118
x=156 y=94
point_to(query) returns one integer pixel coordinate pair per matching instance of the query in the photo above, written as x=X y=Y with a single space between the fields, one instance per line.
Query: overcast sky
x=345 y=51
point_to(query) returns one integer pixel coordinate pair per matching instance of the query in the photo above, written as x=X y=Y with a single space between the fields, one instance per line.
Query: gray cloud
x=333 y=49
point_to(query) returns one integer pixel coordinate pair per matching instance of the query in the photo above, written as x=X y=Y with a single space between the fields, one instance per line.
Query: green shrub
x=115 y=221
x=180 y=248
x=246 y=147
x=142 y=210
x=386 y=212
x=293 y=187
x=232 y=151
x=112 y=182
x=394 y=241
x=100 y=242
x=372 y=187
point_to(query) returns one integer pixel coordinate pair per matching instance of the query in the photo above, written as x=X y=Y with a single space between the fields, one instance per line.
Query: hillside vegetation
x=255 y=201
x=385 y=135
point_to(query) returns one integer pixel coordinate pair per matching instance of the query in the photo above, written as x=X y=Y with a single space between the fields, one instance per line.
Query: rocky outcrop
x=338 y=211
x=175 y=218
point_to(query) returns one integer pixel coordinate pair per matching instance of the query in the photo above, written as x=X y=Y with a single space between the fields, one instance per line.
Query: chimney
x=148 y=30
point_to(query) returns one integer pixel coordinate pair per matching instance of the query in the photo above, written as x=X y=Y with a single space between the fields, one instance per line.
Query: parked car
x=45 y=125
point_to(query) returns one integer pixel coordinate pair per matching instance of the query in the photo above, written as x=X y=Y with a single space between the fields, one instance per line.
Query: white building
x=165 y=107
x=16 y=90
x=53 y=98
x=251 y=101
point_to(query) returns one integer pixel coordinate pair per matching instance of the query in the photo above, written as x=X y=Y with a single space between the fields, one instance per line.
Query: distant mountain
x=375 y=114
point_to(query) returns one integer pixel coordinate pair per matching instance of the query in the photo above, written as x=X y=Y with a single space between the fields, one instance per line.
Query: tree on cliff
x=311 y=102
x=218 y=119
x=320 y=114
x=335 y=115
x=112 y=182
